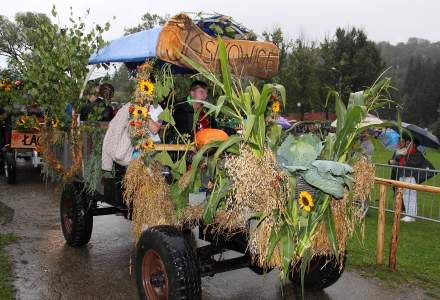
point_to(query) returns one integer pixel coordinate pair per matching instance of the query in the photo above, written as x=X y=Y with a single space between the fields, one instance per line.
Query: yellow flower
x=7 y=87
x=305 y=201
x=55 y=122
x=146 y=86
x=21 y=121
x=140 y=111
x=276 y=106
x=148 y=144
x=2 y=84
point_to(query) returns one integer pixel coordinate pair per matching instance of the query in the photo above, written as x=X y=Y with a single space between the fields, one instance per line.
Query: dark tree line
x=415 y=69
x=347 y=62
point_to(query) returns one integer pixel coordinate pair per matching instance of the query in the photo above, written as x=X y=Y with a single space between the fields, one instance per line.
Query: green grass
x=418 y=261
x=5 y=267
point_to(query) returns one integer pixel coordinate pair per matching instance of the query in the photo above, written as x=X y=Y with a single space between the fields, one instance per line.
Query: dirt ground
x=46 y=268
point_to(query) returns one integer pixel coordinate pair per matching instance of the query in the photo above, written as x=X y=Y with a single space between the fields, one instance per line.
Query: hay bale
x=147 y=193
x=346 y=215
x=259 y=185
x=363 y=179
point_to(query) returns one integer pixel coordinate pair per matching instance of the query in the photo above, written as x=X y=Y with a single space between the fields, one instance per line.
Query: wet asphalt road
x=46 y=268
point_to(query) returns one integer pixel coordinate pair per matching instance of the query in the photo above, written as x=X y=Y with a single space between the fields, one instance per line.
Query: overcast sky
x=383 y=20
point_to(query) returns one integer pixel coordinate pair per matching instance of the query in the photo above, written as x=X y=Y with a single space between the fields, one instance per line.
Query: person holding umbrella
x=407 y=155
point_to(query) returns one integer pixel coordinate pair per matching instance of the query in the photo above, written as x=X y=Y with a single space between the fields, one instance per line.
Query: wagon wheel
x=154 y=276
x=10 y=168
x=67 y=213
x=166 y=267
x=322 y=273
x=76 y=216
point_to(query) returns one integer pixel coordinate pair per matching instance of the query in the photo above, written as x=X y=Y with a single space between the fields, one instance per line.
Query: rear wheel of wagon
x=323 y=272
x=10 y=168
x=166 y=267
x=76 y=216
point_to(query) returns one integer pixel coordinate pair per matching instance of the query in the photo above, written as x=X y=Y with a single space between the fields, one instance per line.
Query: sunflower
x=140 y=111
x=276 y=106
x=55 y=122
x=148 y=144
x=305 y=201
x=21 y=121
x=146 y=86
x=7 y=87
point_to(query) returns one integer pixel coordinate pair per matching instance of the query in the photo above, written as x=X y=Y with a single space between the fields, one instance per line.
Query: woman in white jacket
x=117 y=145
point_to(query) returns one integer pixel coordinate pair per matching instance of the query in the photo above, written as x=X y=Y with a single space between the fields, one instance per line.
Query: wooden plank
x=395 y=231
x=25 y=140
x=381 y=225
x=170 y=147
x=406 y=185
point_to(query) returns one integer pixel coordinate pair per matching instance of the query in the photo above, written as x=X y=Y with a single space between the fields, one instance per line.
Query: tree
x=56 y=68
x=356 y=59
x=302 y=77
x=148 y=21
x=421 y=92
x=14 y=36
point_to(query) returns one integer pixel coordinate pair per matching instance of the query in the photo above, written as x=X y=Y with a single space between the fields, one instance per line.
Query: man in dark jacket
x=184 y=111
x=97 y=104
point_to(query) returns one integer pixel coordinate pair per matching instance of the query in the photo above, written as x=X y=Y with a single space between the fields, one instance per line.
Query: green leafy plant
x=56 y=67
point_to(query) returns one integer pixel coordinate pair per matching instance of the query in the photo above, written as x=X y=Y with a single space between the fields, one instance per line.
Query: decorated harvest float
x=283 y=201
x=20 y=133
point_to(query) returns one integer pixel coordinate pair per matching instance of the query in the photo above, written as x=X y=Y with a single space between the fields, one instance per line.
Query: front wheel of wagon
x=76 y=216
x=166 y=267
x=322 y=273
x=10 y=168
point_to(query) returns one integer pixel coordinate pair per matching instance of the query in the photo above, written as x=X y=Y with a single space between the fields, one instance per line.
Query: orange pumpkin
x=209 y=135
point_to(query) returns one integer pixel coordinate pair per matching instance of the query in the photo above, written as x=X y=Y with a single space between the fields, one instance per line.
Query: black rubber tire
x=10 y=168
x=323 y=272
x=80 y=214
x=179 y=260
x=2 y=166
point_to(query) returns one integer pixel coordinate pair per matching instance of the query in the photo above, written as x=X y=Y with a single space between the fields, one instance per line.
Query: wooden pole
x=410 y=186
x=381 y=225
x=395 y=231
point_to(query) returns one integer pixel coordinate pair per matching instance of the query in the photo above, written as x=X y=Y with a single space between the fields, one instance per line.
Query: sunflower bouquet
x=6 y=86
x=139 y=112
x=275 y=103
x=27 y=124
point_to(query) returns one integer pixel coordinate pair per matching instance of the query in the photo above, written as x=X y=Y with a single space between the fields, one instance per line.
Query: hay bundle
x=363 y=179
x=347 y=215
x=259 y=243
x=191 y=216
x=147 y=193
x=258 y=186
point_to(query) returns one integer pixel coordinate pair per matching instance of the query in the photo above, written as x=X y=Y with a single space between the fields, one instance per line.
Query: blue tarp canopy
x=135 y=47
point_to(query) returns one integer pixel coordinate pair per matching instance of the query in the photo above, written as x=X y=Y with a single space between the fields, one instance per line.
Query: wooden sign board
x=246 y=58
x=24 y=140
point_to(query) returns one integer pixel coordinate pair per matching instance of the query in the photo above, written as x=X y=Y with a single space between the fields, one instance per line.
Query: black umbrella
x=422 y=136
